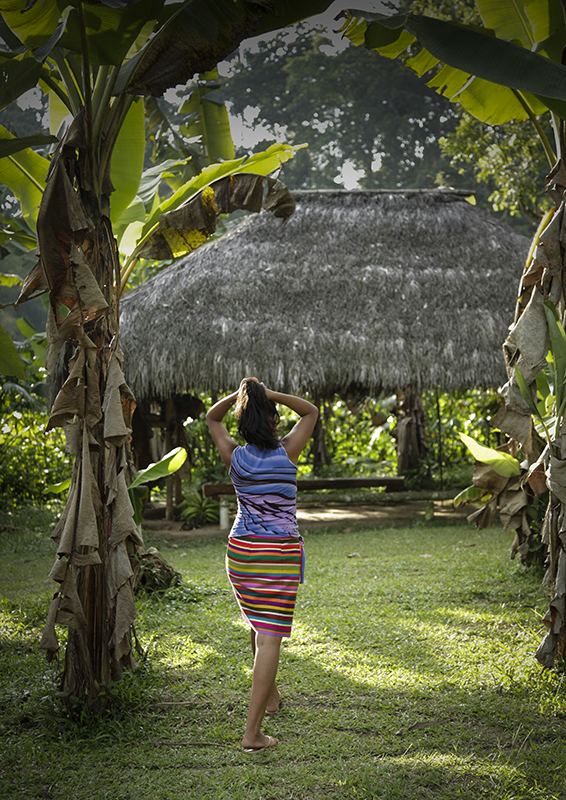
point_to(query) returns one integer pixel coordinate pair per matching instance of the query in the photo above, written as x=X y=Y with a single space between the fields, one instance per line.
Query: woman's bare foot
x=258 y=744
x=274 y=702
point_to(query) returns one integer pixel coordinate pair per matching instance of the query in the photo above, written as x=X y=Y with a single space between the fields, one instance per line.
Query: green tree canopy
x=348 y=106
x=508 y=159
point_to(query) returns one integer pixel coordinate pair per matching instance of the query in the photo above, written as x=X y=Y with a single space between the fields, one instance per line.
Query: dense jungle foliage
x=30 y=459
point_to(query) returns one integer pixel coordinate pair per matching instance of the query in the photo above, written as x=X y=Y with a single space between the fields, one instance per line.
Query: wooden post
x=224 y=523
x=411 y=447
x=169 y=414
x=318 y=448
x=440 y=453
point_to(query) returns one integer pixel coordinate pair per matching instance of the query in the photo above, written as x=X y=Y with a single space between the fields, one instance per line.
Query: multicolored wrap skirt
x=265 y=572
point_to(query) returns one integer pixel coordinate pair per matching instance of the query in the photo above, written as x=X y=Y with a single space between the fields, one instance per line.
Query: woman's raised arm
x=222 y=439
x=295 y=441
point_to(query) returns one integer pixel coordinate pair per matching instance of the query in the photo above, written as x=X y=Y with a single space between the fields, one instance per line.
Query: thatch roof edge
x=380 y=289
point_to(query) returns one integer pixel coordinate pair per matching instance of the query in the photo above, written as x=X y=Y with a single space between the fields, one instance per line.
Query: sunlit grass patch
x=178 y=650
x=424 y=774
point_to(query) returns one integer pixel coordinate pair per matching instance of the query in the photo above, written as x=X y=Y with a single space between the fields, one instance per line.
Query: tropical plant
x=199 y=130
x=198 y=510
x=95 y=60
x=28 y=458
x=10 y=361
x=509 y=69
x=508 y=158
x=501 y=486
x=501 y=72
x=167 y=465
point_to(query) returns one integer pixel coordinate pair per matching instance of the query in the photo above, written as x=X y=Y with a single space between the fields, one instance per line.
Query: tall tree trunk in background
x=411 y=446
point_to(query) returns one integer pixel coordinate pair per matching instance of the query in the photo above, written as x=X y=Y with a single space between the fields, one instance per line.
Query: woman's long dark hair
x=257 y=416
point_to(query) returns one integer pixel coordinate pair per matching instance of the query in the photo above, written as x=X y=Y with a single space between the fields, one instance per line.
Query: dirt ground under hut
x=341 y=513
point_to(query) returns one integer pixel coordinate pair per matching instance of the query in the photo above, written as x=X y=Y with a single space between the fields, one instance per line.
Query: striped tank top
x=266 y=487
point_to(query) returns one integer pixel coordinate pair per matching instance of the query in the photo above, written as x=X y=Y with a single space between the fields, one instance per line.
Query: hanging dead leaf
x=484 y=477
x=527 y=343
x=537 y=480
x=556 y=478
x=186 y=228
x=484 y=517
x=34 y=284
x=550 y=239
x=516 y=424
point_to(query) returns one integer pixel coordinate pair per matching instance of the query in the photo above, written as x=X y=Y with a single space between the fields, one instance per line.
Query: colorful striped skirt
x=265 y=572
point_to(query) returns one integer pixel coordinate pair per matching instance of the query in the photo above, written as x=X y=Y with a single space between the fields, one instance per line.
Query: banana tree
x=95 y=60
x=507 y=70
x=511 y=69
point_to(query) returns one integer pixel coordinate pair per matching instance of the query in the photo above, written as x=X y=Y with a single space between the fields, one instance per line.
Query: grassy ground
x=410 y=674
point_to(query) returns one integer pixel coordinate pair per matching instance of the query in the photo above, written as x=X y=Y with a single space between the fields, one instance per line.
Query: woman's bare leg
x=274 y=695
x=266 y=661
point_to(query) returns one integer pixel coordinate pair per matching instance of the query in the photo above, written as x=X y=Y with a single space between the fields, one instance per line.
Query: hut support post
x=440 y=453
x=169 y=415
x=319 y=449
x=411 y=447
x=178 y=489
x=224 y=523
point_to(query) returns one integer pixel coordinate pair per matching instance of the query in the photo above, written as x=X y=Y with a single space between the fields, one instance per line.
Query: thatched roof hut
x=377 y=290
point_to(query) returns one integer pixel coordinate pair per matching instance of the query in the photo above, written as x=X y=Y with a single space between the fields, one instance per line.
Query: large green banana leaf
x=10 y=361
x=24 y=174
x=260 y=163
x=502 y=463
x=8 y=147
x=139 y=238
x=528 y=22
x=33 y=26
x=200 y=33
x=127 y=160
x=58 y=111
x=110 y=31
x=17 y=76
x=188 y=226
x=527 y=81
x=211 y=121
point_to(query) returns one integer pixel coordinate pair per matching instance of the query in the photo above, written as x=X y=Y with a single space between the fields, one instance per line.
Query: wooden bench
x=394 y=483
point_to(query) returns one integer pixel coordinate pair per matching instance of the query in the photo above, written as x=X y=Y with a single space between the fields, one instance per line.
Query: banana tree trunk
x=96 y=533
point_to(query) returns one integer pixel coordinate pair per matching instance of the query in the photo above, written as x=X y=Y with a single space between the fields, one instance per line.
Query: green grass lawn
x=410 y=674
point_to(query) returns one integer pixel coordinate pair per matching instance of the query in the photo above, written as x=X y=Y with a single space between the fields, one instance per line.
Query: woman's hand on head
x=269 y=392
x=245 y=380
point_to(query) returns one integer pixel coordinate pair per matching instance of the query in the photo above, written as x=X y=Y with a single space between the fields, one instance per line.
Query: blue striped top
x=266 y=487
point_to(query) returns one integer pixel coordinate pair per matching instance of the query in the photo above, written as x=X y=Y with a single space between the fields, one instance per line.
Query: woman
x=265 y=552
